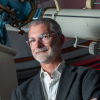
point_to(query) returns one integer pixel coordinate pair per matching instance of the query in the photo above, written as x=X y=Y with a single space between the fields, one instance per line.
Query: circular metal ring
x=21 y=23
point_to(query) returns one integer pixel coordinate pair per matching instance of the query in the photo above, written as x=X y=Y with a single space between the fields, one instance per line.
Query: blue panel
x=37 y=14
x=4 y=2
x=21 y=9
x=3 y=31
x=3 y=34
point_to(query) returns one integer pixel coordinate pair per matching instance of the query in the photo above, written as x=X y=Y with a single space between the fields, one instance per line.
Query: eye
x=31 y=41
x=45 y=36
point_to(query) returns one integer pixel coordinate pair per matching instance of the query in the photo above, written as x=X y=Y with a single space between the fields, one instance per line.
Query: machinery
x=75 y=23
x=16 y=13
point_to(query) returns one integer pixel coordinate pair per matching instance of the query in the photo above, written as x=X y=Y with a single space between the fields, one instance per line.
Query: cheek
x=32 y=50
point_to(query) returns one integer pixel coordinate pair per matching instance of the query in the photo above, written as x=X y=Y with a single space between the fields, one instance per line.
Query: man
x=56 y=80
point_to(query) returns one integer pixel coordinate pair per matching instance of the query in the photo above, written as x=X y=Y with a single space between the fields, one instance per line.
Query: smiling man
x=57 y=80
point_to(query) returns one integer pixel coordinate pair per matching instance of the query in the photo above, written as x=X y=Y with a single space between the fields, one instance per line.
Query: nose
x=39 y=44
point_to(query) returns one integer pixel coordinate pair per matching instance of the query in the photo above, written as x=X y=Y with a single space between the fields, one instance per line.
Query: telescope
x=16 y=15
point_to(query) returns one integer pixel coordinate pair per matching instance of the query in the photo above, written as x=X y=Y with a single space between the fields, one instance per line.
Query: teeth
x=41 y=50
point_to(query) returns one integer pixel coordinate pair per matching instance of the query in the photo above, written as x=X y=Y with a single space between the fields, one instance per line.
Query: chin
x=43 y=61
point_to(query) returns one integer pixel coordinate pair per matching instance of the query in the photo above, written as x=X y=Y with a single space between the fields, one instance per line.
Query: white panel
x=75 y=22
x=8 y=77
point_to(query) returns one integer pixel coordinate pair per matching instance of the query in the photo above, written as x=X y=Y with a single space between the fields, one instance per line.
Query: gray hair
x=54 y=26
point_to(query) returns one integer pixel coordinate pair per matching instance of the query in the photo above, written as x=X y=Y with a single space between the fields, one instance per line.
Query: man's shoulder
x=82 y=70
x=26 y=85
x=86 y=69
x=25 y=89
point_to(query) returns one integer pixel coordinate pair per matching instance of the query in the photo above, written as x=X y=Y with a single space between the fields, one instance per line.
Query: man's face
x=44 y=52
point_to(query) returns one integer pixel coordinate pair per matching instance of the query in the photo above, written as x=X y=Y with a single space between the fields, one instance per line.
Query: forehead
x=39 y=29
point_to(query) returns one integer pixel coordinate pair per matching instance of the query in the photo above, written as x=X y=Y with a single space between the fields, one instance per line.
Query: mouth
x=41 y=52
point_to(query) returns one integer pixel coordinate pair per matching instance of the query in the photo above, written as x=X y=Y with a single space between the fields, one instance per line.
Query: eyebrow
x=39 y=36
x=30 y=39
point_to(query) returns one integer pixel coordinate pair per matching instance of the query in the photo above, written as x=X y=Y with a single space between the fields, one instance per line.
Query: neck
x=52 y=65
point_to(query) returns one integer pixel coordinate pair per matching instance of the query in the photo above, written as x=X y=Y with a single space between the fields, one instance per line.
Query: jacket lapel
x=36 y=88
x=66 y=81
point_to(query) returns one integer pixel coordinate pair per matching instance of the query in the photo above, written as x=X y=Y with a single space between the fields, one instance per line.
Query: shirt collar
x=57 y=72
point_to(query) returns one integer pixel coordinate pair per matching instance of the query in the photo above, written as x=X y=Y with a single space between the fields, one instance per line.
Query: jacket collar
x=66 y=81
x=36 y=88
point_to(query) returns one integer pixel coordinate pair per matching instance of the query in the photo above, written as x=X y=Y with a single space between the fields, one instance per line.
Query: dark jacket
x=76 y=83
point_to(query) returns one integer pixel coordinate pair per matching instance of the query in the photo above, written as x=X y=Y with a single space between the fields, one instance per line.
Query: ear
x=62 y=39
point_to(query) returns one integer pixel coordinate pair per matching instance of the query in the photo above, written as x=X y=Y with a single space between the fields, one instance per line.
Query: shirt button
x=44 y=74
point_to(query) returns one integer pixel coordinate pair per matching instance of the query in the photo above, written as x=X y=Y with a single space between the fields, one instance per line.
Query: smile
x=41 y=52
